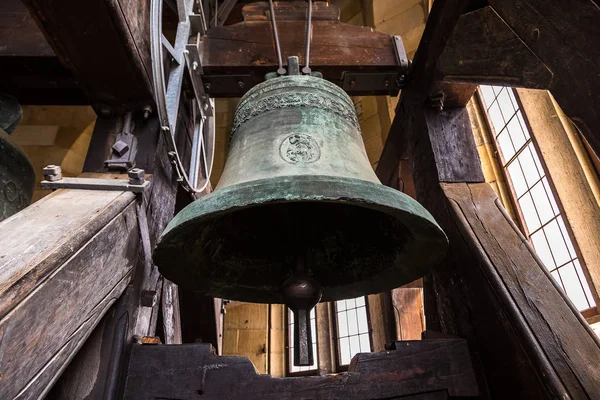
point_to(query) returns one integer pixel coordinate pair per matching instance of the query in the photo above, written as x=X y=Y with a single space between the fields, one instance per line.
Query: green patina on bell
x=298 y=194
x=17 y=177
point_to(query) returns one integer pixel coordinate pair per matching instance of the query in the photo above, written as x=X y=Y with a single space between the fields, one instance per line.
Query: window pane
x=488 y=95
x=557 y=243
x=563 y=230
x=516 y=133
x=353 y=330
x=350 y=303
x=506 y=148
x=523 y=126
x=572 y=287
x=586 y=287
x=354 y=345
x=531 y=219
x=506 y=106
x=516 y=177
x=496 y=117
x=340 y=305
x=551 y=196
x=542 y=249
x=352 y=323
x=529 y=169
x=542 y=204
x=365 y=344
x=556 y=277
x=363 y=325
x=344 y=351
x=342 y=323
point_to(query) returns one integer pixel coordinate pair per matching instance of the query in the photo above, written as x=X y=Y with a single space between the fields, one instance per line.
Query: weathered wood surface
x=565 y=36
x=64 y=261
x=412 y=368
x=543 y=317
x=489 y=289
x=106 y=354
x=246 y=49
x=421 y=82
x=105 y=44
x=170 y=312
x=19 y=34
x=407 y=304
x=30 y=70
x=483 y=49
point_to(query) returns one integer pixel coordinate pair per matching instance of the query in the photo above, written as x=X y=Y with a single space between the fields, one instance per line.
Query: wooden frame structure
x=525 y=338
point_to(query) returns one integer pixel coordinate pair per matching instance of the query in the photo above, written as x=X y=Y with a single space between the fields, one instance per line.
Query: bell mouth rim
x=429 y=240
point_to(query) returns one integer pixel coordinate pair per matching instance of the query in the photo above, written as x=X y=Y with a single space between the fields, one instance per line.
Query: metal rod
x=306 y=70
x=280 y=70
x=303 y=350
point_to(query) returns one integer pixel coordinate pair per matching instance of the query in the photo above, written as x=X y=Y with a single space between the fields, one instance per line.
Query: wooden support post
x=491 y=288
x=106 y=46
x=170 y=312
x=64 y=262
x=129 y=318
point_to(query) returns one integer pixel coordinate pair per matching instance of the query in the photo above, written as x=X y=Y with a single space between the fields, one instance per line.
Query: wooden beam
x=422 y=82
x=30 y=70
x=105 y=44
x=170 y=312
x=107 y=352
x=484 y=50
x=412 y=368
x=244 y=52
x=489 y=265
x=63 y=262
x=566 y=38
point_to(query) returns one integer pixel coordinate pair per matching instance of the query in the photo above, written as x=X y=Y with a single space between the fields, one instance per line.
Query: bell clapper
x=301 y=293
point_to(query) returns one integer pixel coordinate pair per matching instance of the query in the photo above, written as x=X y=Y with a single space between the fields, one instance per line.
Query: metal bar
x=167 y=45
x=202 y=16
x=303 y=354
x=306 y=69
x=176 y=75
x=280 y=70
x=96 y=184
x=224 y=11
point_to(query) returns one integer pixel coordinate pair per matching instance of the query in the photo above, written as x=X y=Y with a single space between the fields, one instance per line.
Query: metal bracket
x=125 y=148
x=55 y=180
x=401 y=53
x=366 y=82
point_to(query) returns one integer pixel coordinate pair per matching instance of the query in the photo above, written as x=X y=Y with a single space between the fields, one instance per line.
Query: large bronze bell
x=298 y=211
x=17 y=177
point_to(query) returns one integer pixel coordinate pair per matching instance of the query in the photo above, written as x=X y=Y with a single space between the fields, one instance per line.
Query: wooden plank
x=413 y=367
x=542 y=315
x=106 y=356
x=28 y=259
x=408 y=307
x=171 y=316
x=484 y=50
x=19 y=34
x=100 y=41
x=565 y=36
x=59 y=279
x=244 y=51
